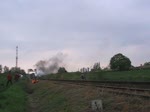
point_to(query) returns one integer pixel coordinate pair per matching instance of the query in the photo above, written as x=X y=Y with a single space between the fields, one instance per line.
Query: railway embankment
x=50 y=96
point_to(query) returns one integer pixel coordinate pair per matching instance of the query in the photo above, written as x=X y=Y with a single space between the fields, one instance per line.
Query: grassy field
x=47 y=96
x=50 y=96
x=12 y=98
x=135 y=75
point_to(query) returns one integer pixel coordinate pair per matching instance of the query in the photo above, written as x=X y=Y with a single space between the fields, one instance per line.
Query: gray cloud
x=91 y=30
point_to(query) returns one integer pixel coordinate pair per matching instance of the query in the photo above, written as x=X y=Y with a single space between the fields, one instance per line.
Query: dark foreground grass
x=135 y=75
x=13 y=98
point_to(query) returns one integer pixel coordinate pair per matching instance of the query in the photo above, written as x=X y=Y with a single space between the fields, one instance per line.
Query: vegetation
x=12 y=98
x=62 y=70
x=147 y=64
x=6 y=69
x=120 y=62
x=96 y=67
x=133 y=75
x=59 y=97
x=46 y=96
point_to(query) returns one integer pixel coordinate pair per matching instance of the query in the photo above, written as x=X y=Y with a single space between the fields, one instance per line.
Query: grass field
x=50 y=96
x=12 y=98
x=135 y=75
x=46 y=96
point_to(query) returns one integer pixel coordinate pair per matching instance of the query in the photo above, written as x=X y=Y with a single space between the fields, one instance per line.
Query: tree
x=22 y=71
x=96 y=67
x=6 y=69
x=147 y=64
x=17 y=69
x=84 y=70
x=13 y=69
x=107 y=68
x=120 y=62
x=62 y=70
x=1 y=68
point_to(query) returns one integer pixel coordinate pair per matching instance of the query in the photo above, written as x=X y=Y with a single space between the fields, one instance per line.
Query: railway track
x=139 y=89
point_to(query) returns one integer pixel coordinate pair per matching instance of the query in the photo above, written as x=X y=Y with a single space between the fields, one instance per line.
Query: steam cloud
x=51 y=65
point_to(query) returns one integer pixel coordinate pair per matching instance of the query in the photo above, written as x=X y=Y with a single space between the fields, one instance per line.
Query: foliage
x=1 y=68
x=62 y=70
x=147 y=64
x=49 y=96
x=6 y=69
x=18 y=70
x=120 y=62
x=13 y=98
x=84 y=69
x=58 y=98
x=132 y=75
x=96 y=67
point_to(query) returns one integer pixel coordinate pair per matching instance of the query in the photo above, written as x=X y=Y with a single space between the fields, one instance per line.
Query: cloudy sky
x=83 y=31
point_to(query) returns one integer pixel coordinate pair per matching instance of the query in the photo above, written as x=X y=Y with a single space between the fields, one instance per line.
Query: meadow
x=58 y=97
x=49 y=96
x=133 y=75
x=13 y=98
x=46 y=96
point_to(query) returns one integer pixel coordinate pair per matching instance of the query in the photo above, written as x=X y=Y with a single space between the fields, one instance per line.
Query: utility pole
x=16 y=56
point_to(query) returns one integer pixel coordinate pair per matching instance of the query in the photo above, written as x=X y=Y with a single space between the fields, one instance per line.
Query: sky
x=82 y=31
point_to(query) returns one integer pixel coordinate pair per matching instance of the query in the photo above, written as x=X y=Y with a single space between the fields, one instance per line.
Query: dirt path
x=32 y=102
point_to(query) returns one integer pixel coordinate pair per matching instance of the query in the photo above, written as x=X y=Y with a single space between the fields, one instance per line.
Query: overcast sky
x=83 y=31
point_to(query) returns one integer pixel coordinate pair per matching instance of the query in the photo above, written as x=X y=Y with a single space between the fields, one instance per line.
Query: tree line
x=118 y=62
x=6 y=69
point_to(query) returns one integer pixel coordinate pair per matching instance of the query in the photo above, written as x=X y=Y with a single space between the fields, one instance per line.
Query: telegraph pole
x=16 y=56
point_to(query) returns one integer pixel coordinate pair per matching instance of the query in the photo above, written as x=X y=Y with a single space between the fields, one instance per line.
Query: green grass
x=53 y=98
x=50 y=96
x=12 y=98
x=135 y=75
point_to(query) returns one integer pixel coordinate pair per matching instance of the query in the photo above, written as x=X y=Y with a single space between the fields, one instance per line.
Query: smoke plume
x=51 y=65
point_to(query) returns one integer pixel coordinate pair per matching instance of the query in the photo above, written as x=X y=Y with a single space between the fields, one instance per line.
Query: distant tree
x=107 y=68
x=147 y=64
x=6 y=69
x=18 y=69
x=22 y=71
x=13 y=69
x=84 y=69
x=120 y=62
x=62 y=70
x=96 y=67
x=1 y=68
